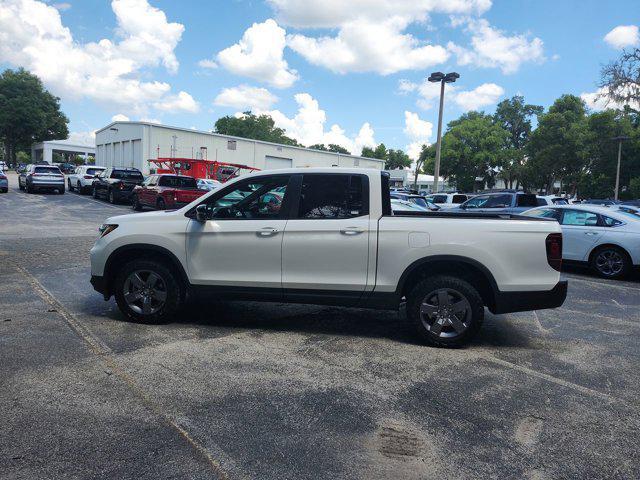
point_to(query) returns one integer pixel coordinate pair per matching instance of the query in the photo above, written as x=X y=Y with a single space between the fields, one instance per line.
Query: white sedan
x=608 y=240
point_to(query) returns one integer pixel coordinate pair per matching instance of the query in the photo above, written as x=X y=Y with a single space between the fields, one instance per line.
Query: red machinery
x=199 y=168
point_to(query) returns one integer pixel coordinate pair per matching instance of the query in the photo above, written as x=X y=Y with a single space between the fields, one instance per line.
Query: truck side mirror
x=202 y=213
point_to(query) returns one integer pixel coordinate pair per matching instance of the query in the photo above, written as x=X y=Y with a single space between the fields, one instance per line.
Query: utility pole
x=442 y=78
x=619 y=139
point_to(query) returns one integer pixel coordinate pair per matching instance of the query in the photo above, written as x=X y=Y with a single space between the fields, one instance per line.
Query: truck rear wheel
x=446 y=311
x=147 y=291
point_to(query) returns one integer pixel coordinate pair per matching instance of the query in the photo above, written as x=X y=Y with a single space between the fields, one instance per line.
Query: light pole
x=619 y=139
x=442 y=78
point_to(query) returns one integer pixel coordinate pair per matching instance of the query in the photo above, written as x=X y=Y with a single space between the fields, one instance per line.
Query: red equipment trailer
x=200 y=168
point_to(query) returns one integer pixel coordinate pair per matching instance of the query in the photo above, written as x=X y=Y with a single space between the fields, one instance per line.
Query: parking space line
x=103 y=352
x=552 y=379
x=601 y=284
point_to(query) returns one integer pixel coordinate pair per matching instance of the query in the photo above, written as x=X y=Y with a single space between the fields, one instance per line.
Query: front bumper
x=100 y=285
x=507 y=302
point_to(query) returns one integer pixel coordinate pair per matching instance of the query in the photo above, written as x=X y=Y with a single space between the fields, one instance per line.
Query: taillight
x=121 y=186
x=3 y=176
x=88 y=177
x=554 y=250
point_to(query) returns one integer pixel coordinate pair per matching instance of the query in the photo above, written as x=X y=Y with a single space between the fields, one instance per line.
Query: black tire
x=4 y=190
x=611 y=262
x=80 y=188
x=61 y=191
x=135 y=204
x=69 y=185
x=95 y=192
x=20 y=187
x=168 y=282
x=111 y=197
x=29 y=188
x=160 y=205
x=445 y=327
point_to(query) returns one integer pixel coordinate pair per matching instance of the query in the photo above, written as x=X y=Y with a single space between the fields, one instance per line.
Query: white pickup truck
x=328 y=236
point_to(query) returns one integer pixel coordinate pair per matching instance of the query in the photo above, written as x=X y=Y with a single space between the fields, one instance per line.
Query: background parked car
x=607 y=239
x=208 y=184
x=67 y=167
x=41 y=177
x=551 y=200
x=601 y=202
x=448 y=200
x=4 y=182
x=117 y=183
x=405 y=206
x=411 y=198
x=82 y=178
x=166 y=191
x=507 y=201
x=627 y=209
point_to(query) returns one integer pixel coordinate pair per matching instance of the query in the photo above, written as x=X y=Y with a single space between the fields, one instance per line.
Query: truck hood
x=142 y=217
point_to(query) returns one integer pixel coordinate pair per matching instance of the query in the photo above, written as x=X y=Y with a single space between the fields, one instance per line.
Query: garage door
x=277 y=162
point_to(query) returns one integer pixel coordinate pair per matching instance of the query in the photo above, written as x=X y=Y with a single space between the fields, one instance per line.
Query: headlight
x=106 y=228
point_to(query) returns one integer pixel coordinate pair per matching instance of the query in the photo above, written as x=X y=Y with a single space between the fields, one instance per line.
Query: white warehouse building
x=132 y=144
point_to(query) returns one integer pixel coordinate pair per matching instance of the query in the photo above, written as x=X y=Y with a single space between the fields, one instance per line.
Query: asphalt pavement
x=272 y=391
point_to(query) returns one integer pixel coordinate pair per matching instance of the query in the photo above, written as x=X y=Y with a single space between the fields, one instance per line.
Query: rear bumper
x=507 y=302
x=47 y=184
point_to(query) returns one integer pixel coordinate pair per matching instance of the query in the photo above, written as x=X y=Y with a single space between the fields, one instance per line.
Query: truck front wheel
x=147 y=291
x=447 y=311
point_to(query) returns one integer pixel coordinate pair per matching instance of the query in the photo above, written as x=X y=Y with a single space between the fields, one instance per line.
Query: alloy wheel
x=610 y=263
x=446 y=313
x=145 y=292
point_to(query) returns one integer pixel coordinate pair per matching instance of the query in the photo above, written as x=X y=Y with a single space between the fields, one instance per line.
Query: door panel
x=580 y=233
x=326 y=254
x=243 y=253
x=326 y=242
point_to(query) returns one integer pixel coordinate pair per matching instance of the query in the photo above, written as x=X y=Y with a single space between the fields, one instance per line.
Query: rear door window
x=126 y=175
x=579 y=218
x=526 y=200
x=439 y=199
x=459 y=199
x=178 y=182
x=498 y=201
x=332 y=196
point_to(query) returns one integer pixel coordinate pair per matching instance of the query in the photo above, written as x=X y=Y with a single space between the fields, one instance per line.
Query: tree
x=255 y=127
x=396 y=159
x=28 y=113
x=425 y=162
x=473 y=147
x=379 y=152
x=331 y=148
x=23 y=157
x=556 y=148
x=318 y=146
x=515 y=117
x=620 y=79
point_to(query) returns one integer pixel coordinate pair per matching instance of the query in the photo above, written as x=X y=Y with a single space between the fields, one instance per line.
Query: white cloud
x=120 y=118
x=482 y=96
x=308 y=126
x=208 y=63
x=598 y=101
x=259 y=55
x=246 y=97
x=419 y=132
x=623 y=36
x=83 y=138
x=334 y=13
x=367 y=46
x=182 y=102
x=32 y=36
x=490 y=47
x=63 y=6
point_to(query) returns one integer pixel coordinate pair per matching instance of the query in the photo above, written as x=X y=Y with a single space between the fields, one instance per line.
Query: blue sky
x=358 y=65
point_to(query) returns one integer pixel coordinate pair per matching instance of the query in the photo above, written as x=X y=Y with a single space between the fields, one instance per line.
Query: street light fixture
x=619 y=139
x=436 y=77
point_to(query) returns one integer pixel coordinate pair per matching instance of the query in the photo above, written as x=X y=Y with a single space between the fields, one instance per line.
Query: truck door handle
x=351 y=231
x=590 y=233
x=267 y=232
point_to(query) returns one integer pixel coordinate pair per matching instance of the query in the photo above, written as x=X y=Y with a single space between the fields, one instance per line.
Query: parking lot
x=249 y=390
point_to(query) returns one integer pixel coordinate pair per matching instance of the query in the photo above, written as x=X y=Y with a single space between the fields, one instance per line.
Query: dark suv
x=507 y=201
x=117 y=183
